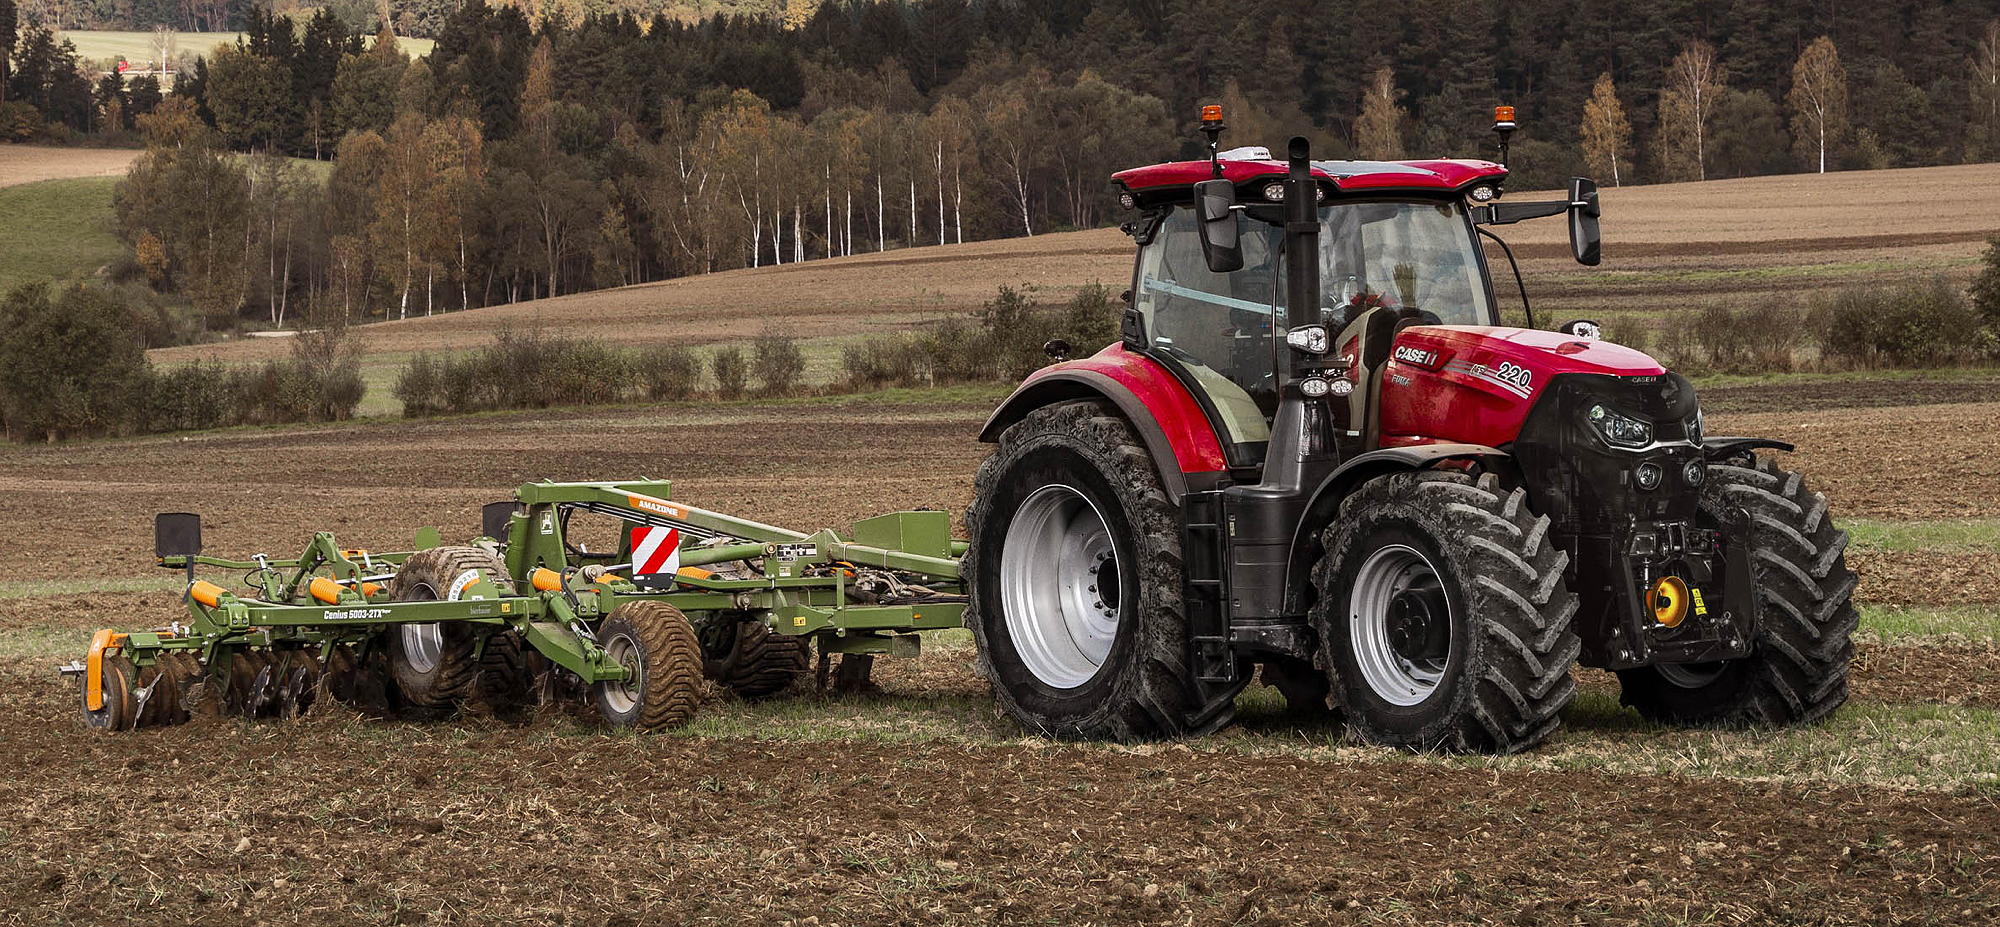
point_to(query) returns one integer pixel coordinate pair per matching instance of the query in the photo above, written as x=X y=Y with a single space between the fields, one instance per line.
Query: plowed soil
x=223 y=823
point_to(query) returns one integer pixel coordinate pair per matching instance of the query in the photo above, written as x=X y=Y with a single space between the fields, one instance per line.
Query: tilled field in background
x=921 y=805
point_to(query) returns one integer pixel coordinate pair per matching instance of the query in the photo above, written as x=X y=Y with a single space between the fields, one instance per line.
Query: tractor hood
x=1542 y=353
x=1476 y=383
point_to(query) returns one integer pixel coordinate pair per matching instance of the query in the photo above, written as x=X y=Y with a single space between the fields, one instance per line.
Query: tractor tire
x=657 y=644
x=120 y=709
x=1797 y=673
x=434 y=665
x=1074 y=576
x=1443 y=617
x=760 y=662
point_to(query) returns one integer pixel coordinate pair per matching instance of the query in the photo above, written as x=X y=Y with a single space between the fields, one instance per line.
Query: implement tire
x=1443 y=617
x=760 y=662
x=1074 y=575
x=655 y=642
x=434 y=664
x=1805 y=615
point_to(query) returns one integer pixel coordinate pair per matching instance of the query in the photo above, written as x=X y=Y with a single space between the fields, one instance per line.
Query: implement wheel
x=1075 y=579
x=760 y=662
x=659 y=650
x=1805 y=614
x=434 y=664
x=1443 y=619
x=120 y=709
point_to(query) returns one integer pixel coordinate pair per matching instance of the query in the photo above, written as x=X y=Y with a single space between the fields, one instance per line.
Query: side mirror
x=1585 y=241
x=1215 y=218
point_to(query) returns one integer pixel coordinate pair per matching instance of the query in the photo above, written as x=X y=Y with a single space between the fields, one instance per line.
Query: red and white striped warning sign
x=655 y=550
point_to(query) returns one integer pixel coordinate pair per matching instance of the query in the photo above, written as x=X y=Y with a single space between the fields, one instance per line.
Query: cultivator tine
x=263 y=694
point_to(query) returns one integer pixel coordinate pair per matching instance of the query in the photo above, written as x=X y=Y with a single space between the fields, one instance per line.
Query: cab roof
x=1346 y=176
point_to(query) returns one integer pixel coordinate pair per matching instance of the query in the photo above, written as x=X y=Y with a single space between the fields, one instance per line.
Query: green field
x=136 y=47
x=56 y=230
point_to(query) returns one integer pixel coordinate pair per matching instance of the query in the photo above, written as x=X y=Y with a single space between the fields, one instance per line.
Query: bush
x=419 y=386
x=887 y=360
x=70 y=364
x=1758 y=338
x=1985 y=289
x=19 y=121
x=190 y=397
x=1923 y=324
x=777 y=363
x=730 y=373
x=669 y=372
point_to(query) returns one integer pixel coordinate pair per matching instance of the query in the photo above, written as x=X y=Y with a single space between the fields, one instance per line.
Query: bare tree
x=1606 y=133
x=1985 y=134
x=1819 y=98
x=1378 y=131
x=1687 y=103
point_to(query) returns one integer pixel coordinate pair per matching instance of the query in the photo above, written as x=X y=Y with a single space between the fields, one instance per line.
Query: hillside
x=1665 y=247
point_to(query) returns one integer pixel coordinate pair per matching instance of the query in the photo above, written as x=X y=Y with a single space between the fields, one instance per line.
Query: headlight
x=1619 y=429
x=1311 y=339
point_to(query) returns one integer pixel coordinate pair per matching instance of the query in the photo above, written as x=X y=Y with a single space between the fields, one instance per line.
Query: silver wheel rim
x=1691 y=675
x=1392 y=583
x=1059 y=586
x=423 y=646
x=623 y=695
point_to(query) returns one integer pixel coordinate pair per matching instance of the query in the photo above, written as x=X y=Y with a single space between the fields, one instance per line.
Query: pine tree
x=1819 y=99
x=1606 y=133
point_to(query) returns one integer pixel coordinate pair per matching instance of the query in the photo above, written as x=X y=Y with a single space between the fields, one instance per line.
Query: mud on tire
x=1504 y=678
x=435 y=686
x=1139 y=691
x=758 y=662
x=657 y=644
x=1805 y=614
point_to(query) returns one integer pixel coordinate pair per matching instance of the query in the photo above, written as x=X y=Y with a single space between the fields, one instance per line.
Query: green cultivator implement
x=527 y=613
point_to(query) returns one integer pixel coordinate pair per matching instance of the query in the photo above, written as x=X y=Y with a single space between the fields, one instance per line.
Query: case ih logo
x=1417 y=356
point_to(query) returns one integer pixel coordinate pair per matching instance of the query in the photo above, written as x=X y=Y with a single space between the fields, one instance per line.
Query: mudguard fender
x=1166 y=416
x=1325 y=504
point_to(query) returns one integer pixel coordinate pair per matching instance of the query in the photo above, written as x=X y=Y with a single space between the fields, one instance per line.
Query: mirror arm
x=1518 y=282
x=1510 y=213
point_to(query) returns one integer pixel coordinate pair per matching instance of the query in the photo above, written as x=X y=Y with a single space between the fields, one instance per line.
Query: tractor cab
x=1401 y=239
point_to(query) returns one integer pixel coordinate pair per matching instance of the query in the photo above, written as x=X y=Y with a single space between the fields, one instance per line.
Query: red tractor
x=1344 y=470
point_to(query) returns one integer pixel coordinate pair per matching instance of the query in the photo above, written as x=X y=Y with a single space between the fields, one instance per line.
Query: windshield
x=1223 y=328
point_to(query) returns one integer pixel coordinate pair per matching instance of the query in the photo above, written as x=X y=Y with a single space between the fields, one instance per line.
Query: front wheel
x=1443 y=618
x=1074 y=575
x=1805 y=615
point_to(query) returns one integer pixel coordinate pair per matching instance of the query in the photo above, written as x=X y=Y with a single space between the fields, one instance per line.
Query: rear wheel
x=1074 y=575
x=1805 y=614
x=662 y=659
x=1443 y=619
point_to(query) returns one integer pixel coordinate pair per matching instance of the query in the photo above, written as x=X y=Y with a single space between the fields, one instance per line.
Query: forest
x=550 y=148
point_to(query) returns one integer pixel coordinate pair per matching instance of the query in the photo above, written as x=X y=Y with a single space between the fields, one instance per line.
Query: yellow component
x=370 y=589
x=93 y=687
x=612 y=578
x=206 y=593
x=354 y=552
x=1669 y=599
x=1700 y=607
x=545 y=580
x=325 y=590
x=798 y=621
x=694 y=572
